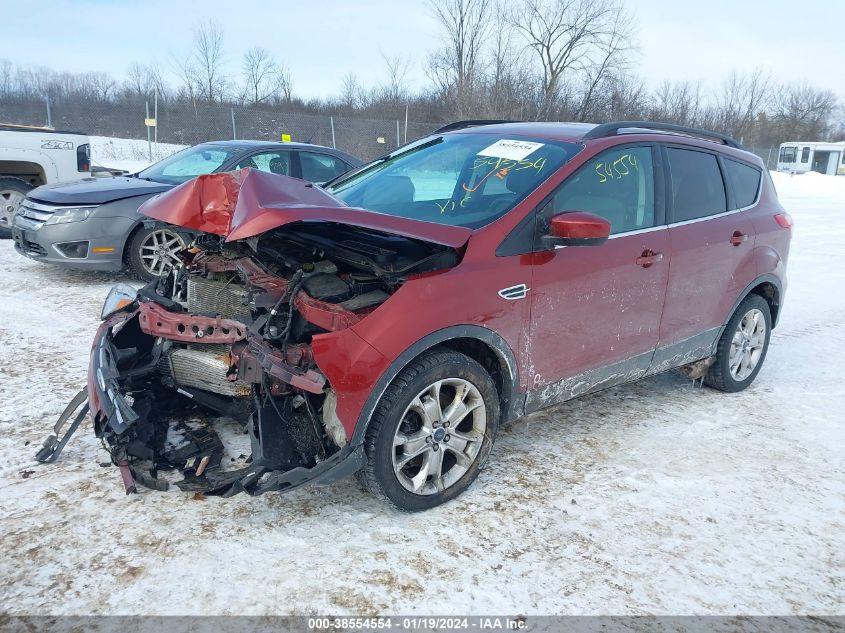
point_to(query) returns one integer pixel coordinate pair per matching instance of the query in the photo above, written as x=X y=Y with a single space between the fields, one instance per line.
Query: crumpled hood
x=96 y=190
x=248 y=202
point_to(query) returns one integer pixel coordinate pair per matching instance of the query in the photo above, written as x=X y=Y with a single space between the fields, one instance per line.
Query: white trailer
x=798 y=157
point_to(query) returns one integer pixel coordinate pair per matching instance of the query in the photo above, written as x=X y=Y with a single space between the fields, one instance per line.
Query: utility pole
x=234 y=131
x=49 y=115
x=406 y=123
x=155 y=115
x=146 y=123
x=331 y=121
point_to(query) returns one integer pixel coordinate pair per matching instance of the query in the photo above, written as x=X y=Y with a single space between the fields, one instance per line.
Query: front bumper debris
x=54 y=444
x=160 y=433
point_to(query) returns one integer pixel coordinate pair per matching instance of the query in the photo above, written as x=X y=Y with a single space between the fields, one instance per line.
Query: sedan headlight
x=72 y=214
x=120 y=296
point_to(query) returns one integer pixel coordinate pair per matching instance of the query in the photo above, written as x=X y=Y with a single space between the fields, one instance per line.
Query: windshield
x=189 y=163
x=459 y=179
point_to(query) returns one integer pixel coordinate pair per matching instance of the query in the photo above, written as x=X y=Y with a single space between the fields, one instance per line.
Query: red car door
x=595 y=310
x=711 y=255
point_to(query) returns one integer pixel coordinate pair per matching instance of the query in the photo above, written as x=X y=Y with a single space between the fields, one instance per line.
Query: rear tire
x=152 y=251
x=423 y=451
x=742 y=347
x=12 y=193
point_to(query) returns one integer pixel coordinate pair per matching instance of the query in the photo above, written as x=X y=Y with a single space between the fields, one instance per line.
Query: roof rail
x=460 y=125
x=612 y=129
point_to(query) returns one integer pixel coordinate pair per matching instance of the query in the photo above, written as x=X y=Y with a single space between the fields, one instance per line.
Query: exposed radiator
x=203 y=370
x=218 y=298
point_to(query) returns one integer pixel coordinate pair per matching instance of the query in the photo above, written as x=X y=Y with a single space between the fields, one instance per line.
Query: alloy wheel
x=158 y=251
x=440 y=436
x=747 y=344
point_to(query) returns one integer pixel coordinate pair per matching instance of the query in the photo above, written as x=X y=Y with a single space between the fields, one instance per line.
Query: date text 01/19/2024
x=418 y=623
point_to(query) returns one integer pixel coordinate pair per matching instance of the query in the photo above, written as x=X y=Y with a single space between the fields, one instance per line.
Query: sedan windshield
x=189 y=163
x=459 y=179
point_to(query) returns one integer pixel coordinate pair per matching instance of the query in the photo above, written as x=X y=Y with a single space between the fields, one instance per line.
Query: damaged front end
x=206 y=379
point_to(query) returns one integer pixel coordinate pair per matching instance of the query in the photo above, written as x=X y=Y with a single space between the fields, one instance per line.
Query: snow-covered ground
x=133 y=155
x=656 y=497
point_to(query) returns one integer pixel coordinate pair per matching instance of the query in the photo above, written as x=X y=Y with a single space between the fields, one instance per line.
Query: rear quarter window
x=745 y=182
x=697 y=186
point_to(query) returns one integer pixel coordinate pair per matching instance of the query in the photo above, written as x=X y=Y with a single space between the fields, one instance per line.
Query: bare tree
x=466 y=26
x=742 y=98
x=351 y=92
x=803 y=113
x=677 y=102
x=509 y=89
x=7 y=77
x=211 y=82
x=612 y=56
x=283 y=84
x=259 y=72
x=103 y=85
x=571 y=37
x=395 y=88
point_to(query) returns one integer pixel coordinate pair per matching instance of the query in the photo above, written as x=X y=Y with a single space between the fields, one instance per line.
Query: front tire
x=742 y=347
x=12 y=193
x=152 y=251
x=431 y=432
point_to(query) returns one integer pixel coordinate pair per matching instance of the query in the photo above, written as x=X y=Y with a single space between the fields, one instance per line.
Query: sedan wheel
x=158 y=251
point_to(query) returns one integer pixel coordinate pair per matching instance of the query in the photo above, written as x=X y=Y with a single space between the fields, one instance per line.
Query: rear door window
x=745 y=182
x=617 y=185
x=274 y=162
x=805 y=155
x=697 y=186
x=321 y=167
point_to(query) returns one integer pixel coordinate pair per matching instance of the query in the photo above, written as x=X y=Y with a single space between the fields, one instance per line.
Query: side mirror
x=577 y=228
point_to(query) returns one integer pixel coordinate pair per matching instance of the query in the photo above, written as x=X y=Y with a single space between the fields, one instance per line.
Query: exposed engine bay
x=207 y=381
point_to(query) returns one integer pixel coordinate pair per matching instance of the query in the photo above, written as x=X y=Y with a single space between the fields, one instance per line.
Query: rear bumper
x=43 y=242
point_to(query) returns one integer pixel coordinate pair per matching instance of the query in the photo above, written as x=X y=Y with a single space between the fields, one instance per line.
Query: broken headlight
x=120 y=296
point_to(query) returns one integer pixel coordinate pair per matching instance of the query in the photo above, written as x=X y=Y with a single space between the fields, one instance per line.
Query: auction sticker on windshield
x=515 y=150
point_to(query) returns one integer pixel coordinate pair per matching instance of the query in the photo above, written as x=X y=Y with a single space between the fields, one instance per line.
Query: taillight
x=83 y=157
x=784 y=220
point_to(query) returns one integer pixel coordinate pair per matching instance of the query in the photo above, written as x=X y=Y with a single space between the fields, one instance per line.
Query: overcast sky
x=323 y=40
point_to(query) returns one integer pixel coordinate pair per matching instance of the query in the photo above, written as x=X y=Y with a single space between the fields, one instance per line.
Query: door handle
x=648 y=258
x=738 y=238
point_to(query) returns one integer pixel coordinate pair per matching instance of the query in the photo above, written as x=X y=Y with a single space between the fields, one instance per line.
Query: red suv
x=388 y=323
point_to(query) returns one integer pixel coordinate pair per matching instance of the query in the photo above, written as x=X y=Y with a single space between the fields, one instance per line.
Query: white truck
x=34 y=156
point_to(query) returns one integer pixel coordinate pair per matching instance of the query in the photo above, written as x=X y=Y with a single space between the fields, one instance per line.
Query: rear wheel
x=742 y=347
x=152 y=251
x=431 y=432
x=12 y=193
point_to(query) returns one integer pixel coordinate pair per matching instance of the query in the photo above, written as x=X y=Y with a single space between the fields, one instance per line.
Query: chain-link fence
x=768 y=154
x=184 y=123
